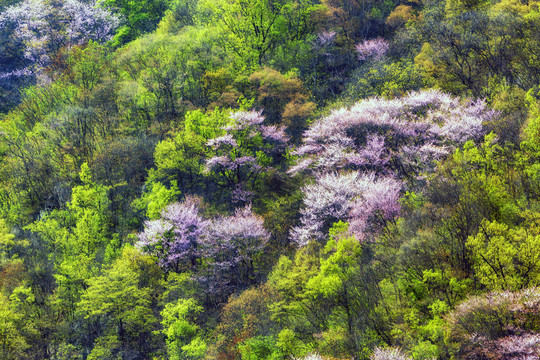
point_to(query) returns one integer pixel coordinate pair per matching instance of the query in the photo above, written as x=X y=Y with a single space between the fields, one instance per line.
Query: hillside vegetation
x=270 y=179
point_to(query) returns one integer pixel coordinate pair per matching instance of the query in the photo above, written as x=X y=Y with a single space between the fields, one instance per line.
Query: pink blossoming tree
x=246 y=150
x=372 y=49
x=174 y=238
x=359 y=157
x=43 y=28
x=221 y=251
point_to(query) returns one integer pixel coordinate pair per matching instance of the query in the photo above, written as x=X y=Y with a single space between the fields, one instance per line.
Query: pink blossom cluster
x=361 y=199
x=498 y=325
x=16 y=73
x=219 y=250
x=175 y=236
x=374 y=49
x=326 y=37
x=387 y=141
x=45 y=29
x=225 y=140
x=245 y=119
x=388 y=354
x=519 y=347
x=416 y=129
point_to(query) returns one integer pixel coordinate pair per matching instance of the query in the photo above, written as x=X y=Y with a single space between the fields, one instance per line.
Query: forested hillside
x=270 y=179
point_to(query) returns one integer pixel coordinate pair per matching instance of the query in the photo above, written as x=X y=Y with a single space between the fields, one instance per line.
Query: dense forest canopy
x=269 y=179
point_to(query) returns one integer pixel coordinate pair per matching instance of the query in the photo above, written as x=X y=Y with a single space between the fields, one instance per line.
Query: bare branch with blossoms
x=247 y=149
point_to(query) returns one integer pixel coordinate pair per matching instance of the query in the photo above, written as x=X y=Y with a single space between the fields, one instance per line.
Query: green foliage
x=388 y=79
x=358 y=20
x=181 y=13
x=123 y=294
x=77 y=238
x=12 y=343
x=181 y=331
x=283 y=99
x=507 y=258
x=477 y=46
x=511 y=102
x=104 y=348
x=6 y=238
x=260 y=348
x=55 y=129
x=532 y=128
x=140 y=17
x=161 y=76
x=253 y=28
x=182 y=158
x=289 y=279
x=156 y=199
x=337 y=294
x=244 y=317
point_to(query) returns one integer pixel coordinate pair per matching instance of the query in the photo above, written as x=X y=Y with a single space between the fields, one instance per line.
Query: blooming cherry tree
x=361 y=199
x=230 y=245
x=402 y=135
x=175 y=237
x=220 y=251
x=372 y=49
x=43 y=28
x=247 y=149
x=360 y=156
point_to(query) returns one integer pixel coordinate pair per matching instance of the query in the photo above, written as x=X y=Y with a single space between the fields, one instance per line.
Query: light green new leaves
x=12 y=343
x=341 y=265
x=253 y=28
x=6 y=239
x=124 y=294
x=183 y=341
x=506 y=258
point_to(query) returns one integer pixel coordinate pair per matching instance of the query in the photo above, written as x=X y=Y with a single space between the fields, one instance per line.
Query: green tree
x=12 y=343
x=335 y=296
x=161 y=77
x=181 y=159
x=122 y=298
x=181 y=330
x=507 y=258
x=140 y=17
x=78 y=239
x=475 y=46
x=6 y=238
x=255 y=27
x=349 y=283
